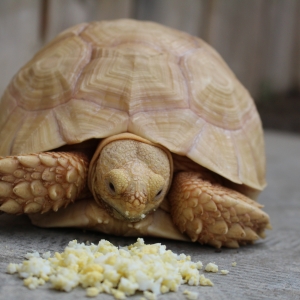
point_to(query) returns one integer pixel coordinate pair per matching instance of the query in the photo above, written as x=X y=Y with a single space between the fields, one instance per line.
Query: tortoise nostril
x=112 y=187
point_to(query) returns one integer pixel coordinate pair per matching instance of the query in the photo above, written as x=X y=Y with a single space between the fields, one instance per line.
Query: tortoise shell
x=103 y=78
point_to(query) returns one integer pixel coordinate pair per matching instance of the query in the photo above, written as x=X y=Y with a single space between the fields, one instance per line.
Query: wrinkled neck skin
x=130 y=176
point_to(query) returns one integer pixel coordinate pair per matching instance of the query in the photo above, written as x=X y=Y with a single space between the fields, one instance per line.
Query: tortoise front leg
x=213 y=214
x=42 y=181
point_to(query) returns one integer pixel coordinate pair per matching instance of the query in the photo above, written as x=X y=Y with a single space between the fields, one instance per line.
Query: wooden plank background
x=259 y=39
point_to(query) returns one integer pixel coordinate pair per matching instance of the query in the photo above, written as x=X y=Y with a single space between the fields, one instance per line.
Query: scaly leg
x=213 y=214
x=42 y=181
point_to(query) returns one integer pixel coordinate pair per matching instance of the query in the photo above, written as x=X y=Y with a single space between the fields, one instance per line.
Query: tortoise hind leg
x=40 y=182
x=213 y=214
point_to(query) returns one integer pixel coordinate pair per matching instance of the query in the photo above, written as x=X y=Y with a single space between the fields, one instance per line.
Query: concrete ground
x=269 y=269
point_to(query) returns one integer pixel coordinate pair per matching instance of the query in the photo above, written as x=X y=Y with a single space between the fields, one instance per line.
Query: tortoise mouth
x=121 y=215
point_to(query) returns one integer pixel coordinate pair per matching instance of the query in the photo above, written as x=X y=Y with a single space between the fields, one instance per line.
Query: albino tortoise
x=181 y=149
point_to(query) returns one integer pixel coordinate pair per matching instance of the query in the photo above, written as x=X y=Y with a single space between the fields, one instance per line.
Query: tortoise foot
x=213 y=214
x=40 y=182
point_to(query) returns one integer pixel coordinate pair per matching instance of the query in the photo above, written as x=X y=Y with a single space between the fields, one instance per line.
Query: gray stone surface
x=269 y=269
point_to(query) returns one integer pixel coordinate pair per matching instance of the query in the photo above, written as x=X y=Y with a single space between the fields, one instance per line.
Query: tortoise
x=145 y=126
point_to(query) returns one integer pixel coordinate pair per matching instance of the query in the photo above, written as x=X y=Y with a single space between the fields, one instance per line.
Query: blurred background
x=259 y=39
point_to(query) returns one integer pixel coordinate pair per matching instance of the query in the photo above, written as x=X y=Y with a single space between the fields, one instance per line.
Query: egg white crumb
x=12 y=268
x=32 y=254
x=190 y=295
x=46 y=255
x=234 y=264
x=224 y=272
x=211 y=267
x=119 y=271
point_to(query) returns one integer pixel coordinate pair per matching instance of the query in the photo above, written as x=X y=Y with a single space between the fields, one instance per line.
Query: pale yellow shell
x=103 y=78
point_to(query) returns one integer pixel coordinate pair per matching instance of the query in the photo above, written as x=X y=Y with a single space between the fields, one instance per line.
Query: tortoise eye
x=112 y=187
x=159 y=192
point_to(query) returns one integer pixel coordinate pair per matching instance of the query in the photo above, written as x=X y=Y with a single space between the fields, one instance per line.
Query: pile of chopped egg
x=123 y=271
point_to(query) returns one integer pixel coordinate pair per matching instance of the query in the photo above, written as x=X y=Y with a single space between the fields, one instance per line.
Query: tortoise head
x=130 y=176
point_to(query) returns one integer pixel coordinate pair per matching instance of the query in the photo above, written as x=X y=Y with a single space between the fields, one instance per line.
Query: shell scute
x=175 y=129
x=79 y=120
x=217 y=91
x=49 y=78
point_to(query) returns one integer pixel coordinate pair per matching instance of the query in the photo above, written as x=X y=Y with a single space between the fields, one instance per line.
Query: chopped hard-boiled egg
x=190 y=295
x=211 y=267
x=123 y=271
